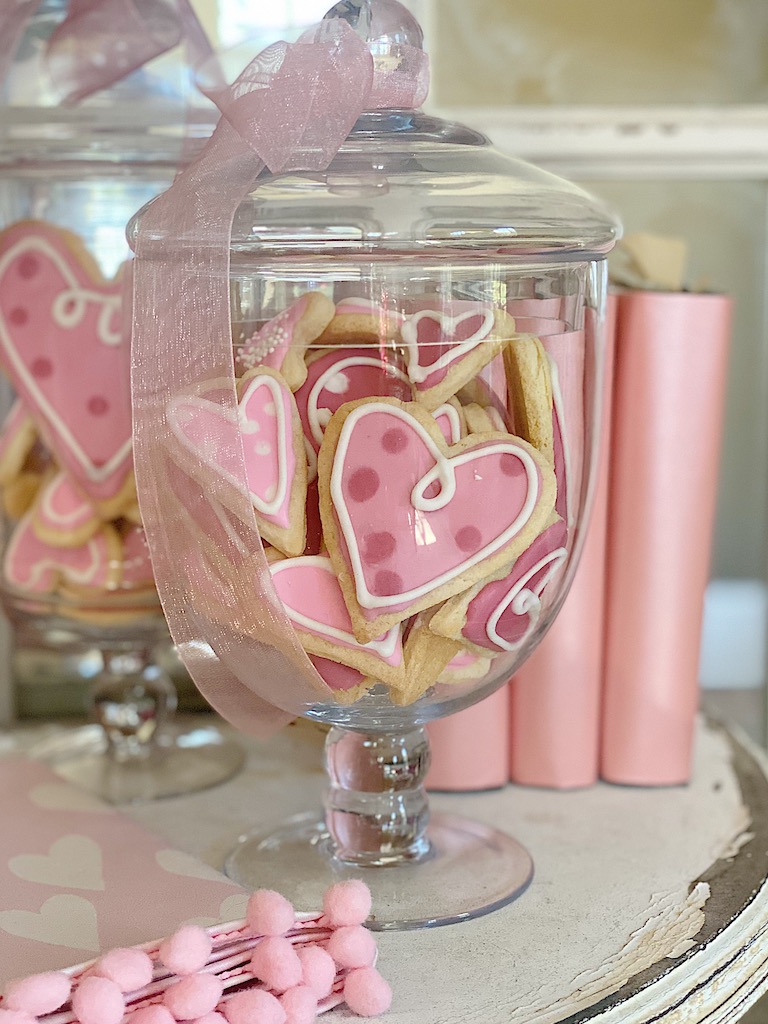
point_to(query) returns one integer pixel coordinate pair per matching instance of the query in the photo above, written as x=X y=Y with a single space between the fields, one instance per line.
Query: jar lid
x=405 y=182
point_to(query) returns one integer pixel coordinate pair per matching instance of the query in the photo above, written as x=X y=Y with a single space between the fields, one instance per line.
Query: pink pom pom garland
x=292 y=967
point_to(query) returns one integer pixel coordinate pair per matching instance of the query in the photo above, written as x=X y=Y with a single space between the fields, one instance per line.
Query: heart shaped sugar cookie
x=500 y=615
x=314 y=603
x=63 y=345
x=273 y=447
x=409 y=521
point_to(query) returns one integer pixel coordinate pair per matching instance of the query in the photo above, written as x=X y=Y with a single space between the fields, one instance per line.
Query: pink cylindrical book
x=671 y=368
x=470 y=750
x=555 y=697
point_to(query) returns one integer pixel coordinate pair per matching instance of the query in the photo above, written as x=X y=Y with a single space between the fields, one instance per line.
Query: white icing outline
x=409 y=333
x=57 y=519
x=384 y=647
x=557 y=402
x=280 y=399
x=454 y=420
x=48 y=563
x=204 y=405
x=317 y=428
x=96 y=474
x=80 y=297
x=524 y=601
x=445 y=473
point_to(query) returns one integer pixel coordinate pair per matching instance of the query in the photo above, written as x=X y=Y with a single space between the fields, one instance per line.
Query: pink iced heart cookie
x=465 y=667
x=63 y=346
x=361 y=321
x=347 y=683
x=280 y=344
x=273 y=446
x=410 y=522
x=346 y=375
x=312 y=598
x=499 y=616
x=32 y=566
x=63 y=516
x=444 y=351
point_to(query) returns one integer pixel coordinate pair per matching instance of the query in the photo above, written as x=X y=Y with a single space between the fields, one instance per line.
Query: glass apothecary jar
x=417 y=350
x=76 y=577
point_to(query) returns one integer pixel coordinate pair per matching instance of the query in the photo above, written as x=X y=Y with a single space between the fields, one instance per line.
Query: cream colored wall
x=499 y=52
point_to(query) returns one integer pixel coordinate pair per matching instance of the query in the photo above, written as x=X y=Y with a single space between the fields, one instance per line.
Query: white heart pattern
x=73 y=862
x=63 y=920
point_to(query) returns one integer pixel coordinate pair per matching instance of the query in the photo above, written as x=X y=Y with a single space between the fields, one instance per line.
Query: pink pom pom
x=193 y=996
x=155 y=1014
x=187 y=950
x=347 y=903
x=300 y=1005
x=130 y=969
x=269 y=913
x=318 y=969
x=16 y=1017
x=98 y=1001
x=254 y=1005
x=40 y=994
x=353 y=946
x=214 y=1017
x=366 y=993
x=276 y=963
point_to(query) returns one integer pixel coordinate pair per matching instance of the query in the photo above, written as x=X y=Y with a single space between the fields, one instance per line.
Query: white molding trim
x=674 y=142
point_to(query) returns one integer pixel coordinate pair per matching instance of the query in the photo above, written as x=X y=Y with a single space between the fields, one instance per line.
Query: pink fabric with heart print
x=412 y=519
x=63 y=347
x=504 y=612
x=78 y=877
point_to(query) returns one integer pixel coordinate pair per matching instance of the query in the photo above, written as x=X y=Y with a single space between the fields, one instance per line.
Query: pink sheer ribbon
x=100 y=42
x=292 y=108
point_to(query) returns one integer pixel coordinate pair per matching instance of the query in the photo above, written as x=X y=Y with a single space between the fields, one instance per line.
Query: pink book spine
x=555 y=696
x=671 y=368
x=470 y=750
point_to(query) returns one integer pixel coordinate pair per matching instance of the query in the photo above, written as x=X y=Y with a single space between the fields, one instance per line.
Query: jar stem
x=132 y=699
x=376 y=806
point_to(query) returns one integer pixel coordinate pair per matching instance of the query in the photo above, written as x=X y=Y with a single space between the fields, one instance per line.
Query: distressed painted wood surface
x=647 y=905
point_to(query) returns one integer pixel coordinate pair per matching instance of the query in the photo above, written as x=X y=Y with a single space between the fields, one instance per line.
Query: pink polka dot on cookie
x=98 y=406
x=387 y=584
x=510 y=465
x=41 y=368
x=468 y=538
x=18 y=316
x=379 y=547
x=28 y=266
x=394 y=441
x=363 y=484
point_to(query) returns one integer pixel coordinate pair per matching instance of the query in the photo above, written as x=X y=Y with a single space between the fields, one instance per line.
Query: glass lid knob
x=385 y=22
